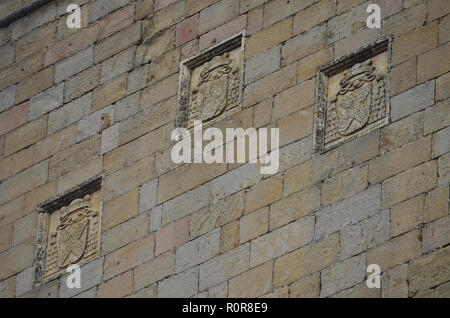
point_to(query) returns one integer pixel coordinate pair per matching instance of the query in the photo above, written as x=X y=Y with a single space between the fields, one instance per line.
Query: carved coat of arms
x=75 y=237
x=359 y=101
x=217 y=88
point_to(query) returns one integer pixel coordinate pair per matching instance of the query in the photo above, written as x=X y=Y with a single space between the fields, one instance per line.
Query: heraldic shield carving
x=68 y=235
x=211 y=84
x=353 y=101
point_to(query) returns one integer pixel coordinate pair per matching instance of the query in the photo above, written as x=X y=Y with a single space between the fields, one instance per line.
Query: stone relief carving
x=211 y=84
x=68 y=235
x=353 y=97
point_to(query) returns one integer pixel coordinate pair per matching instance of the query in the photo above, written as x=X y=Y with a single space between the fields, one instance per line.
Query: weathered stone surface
x=294 y=207
x=35 y=84
x=154 y=270
x=24 y=182
x=229 y=236
x=254 y=283
x=262 y=64
x=263 y=193
x=441 y=142
x=224 y=266
x=182 y=285
x=344 y=185
x=46 y=101
x=303 y=45
x=343 y=275
x=387 y=255
x=370 y=232
x=394 y=282
x=100 y=8
x=353 y=209
x=117 y=65
x=128 y=178
x=253 y=225
x=24 y=281
x=172 y=236
x=400 y=159
x=429 y=270
x=117 y=287
x=402 y=132
x=124 y=234
x=436 y=204
x=69 y=113
x=305 y=261
x=74 y=64
x=16 y=259
x=198 y=251
x=91 y=276
x=163 y=18
x=409 y=183
x=307 y=287
x=413 y=100
x=407 y=215
x=282 y=241
x=13 y=118
x=120 y=209
x=436 y=118
x=129 y=256
x=269 y=37
x=436 y=234
x=7 y=97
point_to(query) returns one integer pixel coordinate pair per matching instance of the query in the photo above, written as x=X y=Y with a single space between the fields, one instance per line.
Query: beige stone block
x=409 y=183
x=125 y=233
x=344 y=185
x=264 y=193
x=305 y=261
x=185 y=178
x=16 y=259
x=78 y=41
x=120 y=209
x=307 y=287
x=296 y=126
x=396 y=251
x=172 y=236
x=25 y=135
x=282 y=241
x=224 y=266
x=429 y=270
x=400 y=159
x=128 y=178
x=117 y=287
x=407 y=215
x=154 y=270
x=118 y=42
x=294 y=207
x=254 y=283
x=436 y=204
x=109 y=93
x=268 y=37
x=229 y=236
x=253 y=225
x=313 y=15
x=433 y=63
x=436 y=234
x=129 y=256
x=394 y=283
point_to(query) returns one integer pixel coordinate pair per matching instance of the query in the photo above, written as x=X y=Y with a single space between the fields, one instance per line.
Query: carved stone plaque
x=69 y=232
x=352 y=97
x=211 y=84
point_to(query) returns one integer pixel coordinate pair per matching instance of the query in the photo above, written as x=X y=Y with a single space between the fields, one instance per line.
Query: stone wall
x=101 y=101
